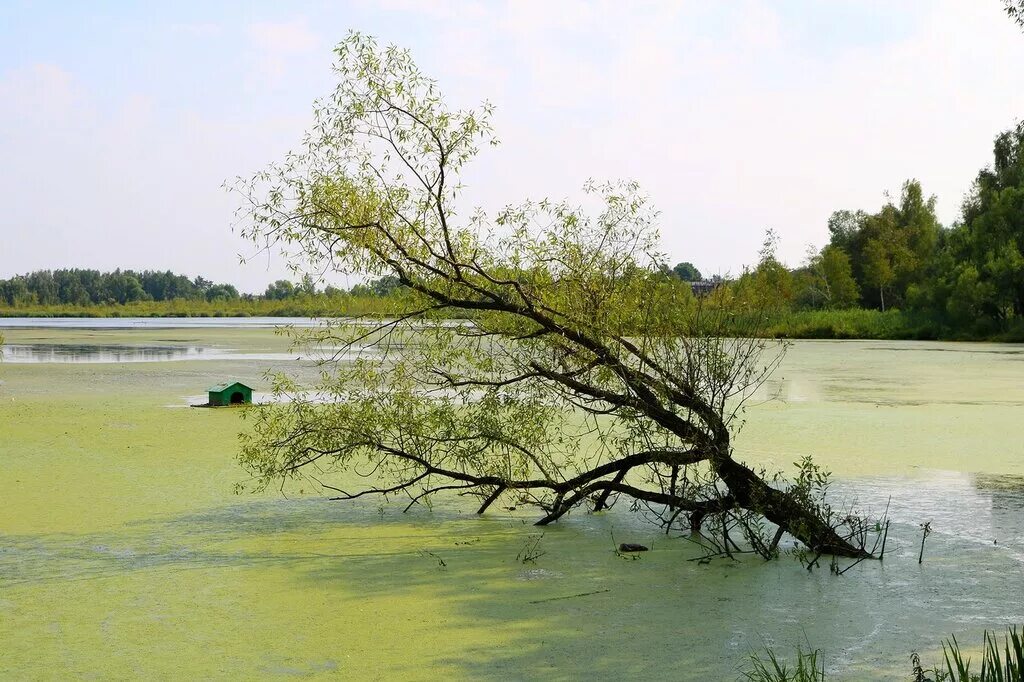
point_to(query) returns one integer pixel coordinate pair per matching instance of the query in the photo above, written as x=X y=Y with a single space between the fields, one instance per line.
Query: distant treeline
x=891 y=273
x=961 y=281
x=92 y=287
x=82 y=288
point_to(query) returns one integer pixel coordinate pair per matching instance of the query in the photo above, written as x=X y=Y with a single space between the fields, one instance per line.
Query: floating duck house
x=234 y=393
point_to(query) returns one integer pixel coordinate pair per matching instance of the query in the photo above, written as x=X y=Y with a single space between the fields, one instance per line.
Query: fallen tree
x=583 y=373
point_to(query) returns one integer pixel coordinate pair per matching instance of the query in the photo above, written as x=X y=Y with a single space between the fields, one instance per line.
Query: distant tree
x=93 y=282
x=279 y=290
x=892 y=250
x=85 y=287
x=878 y=267
x=844 y=229
x=43 y=285
x=991 y=236
x=828 y=279
x=307 y=286
x=15 y=291
x=70 y=289
x=222 y=292
x=123 y=287
x=771 y=284
x=166 y=286
x=687 y=272
x=202 y=284
x=382 y=286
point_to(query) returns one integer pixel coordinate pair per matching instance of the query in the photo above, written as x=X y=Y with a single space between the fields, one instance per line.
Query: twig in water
x=926 y=530
x=531 y=551
x=568 y=596
x=440 y=562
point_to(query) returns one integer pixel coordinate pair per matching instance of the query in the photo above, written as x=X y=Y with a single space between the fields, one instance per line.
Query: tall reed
x=1001 y=661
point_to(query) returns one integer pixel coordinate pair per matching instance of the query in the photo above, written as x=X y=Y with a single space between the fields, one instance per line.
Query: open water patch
x=157 y=322
x=105 y=353
x=71 y=353
x=1014 y=349
x=198 y=322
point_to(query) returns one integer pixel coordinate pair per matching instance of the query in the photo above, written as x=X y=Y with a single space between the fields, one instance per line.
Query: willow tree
x=540 y=354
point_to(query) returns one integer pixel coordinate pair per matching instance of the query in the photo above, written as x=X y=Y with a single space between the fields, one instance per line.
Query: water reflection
x=961 y=348
x=74 y=352
x=154 y=322
x=189 y=322
x=21 y=353
x=978 y=509
x=1013 y=485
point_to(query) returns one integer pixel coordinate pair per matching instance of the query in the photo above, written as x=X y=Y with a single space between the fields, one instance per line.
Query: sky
x=121 y=121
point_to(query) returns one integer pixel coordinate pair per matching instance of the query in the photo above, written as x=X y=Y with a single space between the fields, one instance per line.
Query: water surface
x=20 y=353
x=123 y=552
x=155 y=322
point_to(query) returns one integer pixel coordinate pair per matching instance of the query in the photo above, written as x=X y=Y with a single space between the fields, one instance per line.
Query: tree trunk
x=602 y=500
x=752 y=493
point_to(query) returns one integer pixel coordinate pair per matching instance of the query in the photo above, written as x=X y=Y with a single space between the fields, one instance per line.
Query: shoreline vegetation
x=848 y=324
x=316 y=306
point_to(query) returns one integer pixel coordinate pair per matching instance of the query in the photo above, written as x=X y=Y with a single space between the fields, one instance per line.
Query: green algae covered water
x=124 y=553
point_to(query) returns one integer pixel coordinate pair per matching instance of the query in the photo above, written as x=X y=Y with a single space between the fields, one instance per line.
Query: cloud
x=37 y=90
x=276 y=44
x=92 y=182
x=735 y=117
x=198 y=29
x=435 y=9
x=283 y=38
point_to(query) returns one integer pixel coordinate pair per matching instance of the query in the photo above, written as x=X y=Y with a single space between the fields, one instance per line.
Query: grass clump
x=1003 y=663
x=767 y=667
x=1002 y=660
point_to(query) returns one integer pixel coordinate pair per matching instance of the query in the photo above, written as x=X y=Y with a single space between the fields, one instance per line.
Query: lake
x=152 y=322
x=124 y=552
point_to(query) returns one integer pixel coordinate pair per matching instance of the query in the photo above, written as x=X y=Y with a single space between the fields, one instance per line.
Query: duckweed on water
x=123 y=552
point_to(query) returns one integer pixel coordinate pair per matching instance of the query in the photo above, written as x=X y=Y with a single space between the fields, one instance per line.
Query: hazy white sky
x=120 y=121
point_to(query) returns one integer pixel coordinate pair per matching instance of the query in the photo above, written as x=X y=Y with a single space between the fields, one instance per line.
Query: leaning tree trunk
x=779 y=507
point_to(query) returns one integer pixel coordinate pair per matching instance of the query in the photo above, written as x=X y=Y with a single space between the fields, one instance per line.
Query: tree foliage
x=827 y=281
x=92 y=287
x=1015 y=10
x=889 y=251
x=78 y=287
x=279 y=290
x=991 y=238
x=687 y=272
x=583 y=374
